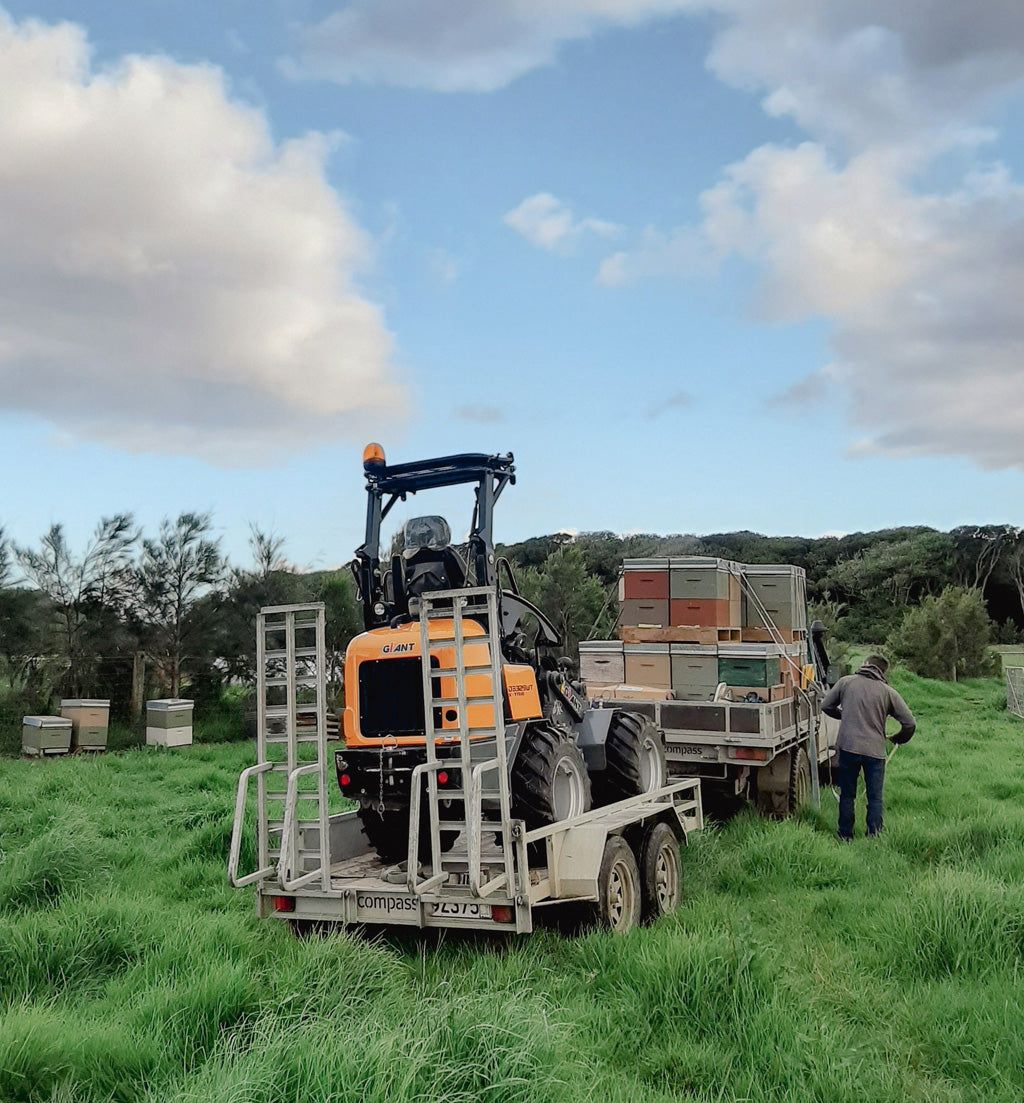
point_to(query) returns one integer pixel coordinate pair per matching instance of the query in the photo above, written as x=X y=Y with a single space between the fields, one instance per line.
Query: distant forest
x=868 y=579
x=166 y=614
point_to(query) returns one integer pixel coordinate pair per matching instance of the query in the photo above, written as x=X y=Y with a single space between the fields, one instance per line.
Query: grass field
x=797 y=969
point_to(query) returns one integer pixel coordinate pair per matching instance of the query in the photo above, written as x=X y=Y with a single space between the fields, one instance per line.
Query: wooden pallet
x=763 y=635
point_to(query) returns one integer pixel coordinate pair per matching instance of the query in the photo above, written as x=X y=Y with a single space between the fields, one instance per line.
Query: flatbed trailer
x=312 y=865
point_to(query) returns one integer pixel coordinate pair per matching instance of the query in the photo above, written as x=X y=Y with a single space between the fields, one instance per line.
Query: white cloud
x=921 y=283
x=457 y=45
x=170 y=278
x=549 y=224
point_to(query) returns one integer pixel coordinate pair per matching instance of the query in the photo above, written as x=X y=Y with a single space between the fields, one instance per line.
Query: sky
x=701 y=266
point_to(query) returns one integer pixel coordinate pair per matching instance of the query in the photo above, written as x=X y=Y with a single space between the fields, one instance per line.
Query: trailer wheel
x=388 y=832
x=549 y=777
x=636 y=759
x=661 y=872
x=799 y=780
x=618 y=888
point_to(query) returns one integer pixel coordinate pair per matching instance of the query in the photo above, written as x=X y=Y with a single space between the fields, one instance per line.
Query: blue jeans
x=850 y=766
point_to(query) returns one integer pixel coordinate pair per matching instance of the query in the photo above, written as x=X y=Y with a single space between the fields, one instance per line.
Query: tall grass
x=797 y=969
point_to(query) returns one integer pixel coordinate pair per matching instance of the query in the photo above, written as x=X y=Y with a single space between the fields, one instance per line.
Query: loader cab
x=427 y=560
x=389 y=591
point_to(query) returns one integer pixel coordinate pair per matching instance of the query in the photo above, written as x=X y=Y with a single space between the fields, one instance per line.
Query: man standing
x=861 y=703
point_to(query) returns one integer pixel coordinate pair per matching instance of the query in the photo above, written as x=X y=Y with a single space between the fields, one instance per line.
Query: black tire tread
x=799 y=761
x=542 y=747
x=650 y=905
x=621 y=777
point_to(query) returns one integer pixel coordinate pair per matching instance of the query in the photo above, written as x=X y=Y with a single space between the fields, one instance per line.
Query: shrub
x=947 y=637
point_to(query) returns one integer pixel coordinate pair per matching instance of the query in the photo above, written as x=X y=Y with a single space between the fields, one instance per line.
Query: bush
x=947 y=637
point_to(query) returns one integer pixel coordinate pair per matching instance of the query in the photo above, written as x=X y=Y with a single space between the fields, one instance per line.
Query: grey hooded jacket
x=861 y=703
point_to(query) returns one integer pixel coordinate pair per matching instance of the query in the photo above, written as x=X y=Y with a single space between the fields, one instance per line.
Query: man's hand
x=904 y=735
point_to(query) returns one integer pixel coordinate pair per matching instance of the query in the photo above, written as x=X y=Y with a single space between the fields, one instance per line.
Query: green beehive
x=44 y=735
x=750 y=664
x=699 y=577
x=89 y=723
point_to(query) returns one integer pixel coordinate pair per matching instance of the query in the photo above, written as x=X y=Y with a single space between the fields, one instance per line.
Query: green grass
x=797 y=969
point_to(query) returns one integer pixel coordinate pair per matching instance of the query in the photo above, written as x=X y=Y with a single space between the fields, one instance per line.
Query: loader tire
x=636 y=759
x=549 y=777
x=388 y=833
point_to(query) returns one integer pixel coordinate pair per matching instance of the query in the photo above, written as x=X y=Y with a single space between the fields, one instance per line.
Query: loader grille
x=391 y=697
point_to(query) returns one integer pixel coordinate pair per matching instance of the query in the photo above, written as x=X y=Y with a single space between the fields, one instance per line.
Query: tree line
x=77 y=622
x=168 y=608
x=869 y=580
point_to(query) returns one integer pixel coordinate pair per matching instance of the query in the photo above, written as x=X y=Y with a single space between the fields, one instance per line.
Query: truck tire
x=661 y=872
x=549 y=777
x=618 y=888
x=799 y=780
x=636 y=759
x=388 y=833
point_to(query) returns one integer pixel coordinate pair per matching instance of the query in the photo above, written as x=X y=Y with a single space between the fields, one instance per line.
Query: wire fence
x=1015 y=689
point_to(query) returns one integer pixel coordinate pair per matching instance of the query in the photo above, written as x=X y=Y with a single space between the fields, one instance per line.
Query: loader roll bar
x=387 y=484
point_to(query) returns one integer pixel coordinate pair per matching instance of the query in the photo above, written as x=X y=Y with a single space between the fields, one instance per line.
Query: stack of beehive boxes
x=688 y=624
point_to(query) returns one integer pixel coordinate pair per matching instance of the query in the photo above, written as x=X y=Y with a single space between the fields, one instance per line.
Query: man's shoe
x=844 y=838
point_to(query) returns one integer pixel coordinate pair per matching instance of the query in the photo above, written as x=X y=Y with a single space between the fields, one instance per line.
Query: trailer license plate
x=459 y=909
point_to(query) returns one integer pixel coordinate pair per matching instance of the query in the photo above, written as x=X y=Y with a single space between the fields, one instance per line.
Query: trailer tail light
x=442 y=777
x=750 y=754
x=284 y=903
x=503 y=913
x=344 y=780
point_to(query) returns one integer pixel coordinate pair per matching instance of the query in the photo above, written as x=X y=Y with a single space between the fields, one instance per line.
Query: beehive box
x=90 y=720
x=601 y=662
x=169 y=722
x=749 y=671
x=645 y=579
x=703 y=612
x=45 y=735
x=648 y=664
x=776 y=595
x=650 y=611
x=693 y=666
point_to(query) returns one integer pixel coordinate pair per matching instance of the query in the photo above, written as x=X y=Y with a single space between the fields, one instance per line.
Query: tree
x=176 y=570
x=344 y=620
x=979 y=549
x=89 y=596
x=887 y=576
x=266 y=548
x=947 y=637
x=573 y=600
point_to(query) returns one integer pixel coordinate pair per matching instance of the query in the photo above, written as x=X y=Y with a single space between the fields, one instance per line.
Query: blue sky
x=700 y=266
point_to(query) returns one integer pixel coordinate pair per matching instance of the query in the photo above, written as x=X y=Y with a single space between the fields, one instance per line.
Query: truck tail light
x=751 y=754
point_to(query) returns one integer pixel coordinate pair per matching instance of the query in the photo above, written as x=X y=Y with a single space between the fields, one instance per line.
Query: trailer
x=469 y=863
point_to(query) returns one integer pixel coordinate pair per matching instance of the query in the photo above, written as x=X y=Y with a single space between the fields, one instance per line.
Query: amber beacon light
x=373 y=456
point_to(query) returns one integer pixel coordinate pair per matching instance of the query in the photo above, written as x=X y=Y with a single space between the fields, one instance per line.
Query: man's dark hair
x=879 y=662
